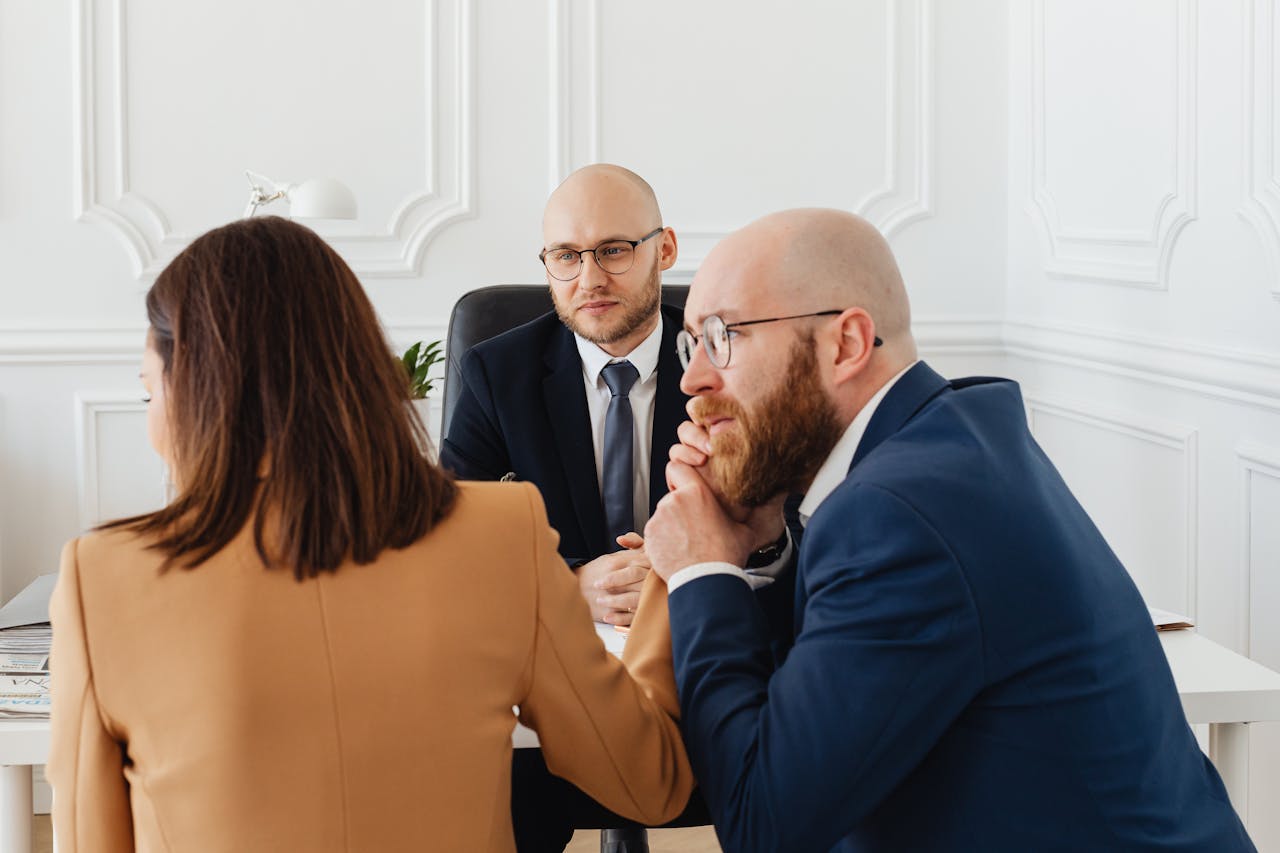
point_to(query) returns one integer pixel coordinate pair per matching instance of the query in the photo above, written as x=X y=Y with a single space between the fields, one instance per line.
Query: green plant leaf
x=410 y=359
x=418 y=361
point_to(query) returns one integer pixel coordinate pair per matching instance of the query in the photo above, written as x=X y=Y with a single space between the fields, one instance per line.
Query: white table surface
x=1228 y=691
x=1216 y=684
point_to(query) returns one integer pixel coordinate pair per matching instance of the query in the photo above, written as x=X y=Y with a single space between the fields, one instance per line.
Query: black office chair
x=489 y=311
x=478 y=316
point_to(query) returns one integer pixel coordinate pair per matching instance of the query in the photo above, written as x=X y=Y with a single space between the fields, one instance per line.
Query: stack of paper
x=25 y=636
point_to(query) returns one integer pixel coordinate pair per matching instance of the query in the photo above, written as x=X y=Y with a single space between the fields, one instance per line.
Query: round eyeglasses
x=717 y=334
x=613 y=256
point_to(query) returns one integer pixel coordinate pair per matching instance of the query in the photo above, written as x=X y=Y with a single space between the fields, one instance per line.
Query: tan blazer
x=233 y=708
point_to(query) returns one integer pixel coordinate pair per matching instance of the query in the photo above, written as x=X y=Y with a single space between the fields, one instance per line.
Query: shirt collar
x=836 y=466
x=644 y=357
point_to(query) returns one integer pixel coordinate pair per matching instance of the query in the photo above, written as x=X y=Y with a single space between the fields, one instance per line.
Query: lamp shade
x=321 y=198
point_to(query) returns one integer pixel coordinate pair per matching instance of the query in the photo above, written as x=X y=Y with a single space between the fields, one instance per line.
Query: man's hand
x=693 y=450
x=691 y=526
x=694 y=446
x=611 y=583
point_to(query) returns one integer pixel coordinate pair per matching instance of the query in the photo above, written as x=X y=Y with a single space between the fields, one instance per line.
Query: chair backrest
x=489 y=311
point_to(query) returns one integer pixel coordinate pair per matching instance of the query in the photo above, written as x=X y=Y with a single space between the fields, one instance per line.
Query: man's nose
x=589 y=274
x=701 y=376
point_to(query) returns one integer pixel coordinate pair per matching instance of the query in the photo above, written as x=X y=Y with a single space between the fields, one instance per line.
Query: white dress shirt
x=645 y=360
x=830 y=475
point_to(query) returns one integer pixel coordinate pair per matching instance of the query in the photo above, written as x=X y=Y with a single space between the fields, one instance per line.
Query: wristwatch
x=769 y=554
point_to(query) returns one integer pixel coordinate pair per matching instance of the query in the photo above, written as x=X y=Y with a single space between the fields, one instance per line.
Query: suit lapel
x=668 y=407
x=917 y=386
x=566 y=403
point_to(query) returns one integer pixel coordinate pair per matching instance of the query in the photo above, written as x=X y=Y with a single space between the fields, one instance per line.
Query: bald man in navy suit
x=973 y=669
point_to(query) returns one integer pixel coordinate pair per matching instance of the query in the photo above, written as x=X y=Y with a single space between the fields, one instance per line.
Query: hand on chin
x=690 y=526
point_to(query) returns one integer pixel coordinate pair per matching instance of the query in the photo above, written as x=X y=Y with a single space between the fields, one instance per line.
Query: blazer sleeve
x=599 y=728
x=475 y=448
x=792 y=757
x=647 y=653
x=86 y=762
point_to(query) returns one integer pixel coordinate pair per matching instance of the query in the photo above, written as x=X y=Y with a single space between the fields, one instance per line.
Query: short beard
x=635 y=315
x=779 y=445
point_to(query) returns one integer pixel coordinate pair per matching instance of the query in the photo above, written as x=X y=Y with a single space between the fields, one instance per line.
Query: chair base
x=624 y=841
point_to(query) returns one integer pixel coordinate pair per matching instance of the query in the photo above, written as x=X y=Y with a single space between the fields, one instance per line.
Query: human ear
x=855 y=343
x=668 y=249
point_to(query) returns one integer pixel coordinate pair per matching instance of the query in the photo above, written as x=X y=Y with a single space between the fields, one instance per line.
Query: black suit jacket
x=523 y=411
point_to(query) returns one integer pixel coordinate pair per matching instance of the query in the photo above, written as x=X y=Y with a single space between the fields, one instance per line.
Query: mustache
x=598 y=297
x=704 y=409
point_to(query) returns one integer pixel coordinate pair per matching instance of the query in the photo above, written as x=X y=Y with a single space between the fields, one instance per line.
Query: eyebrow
x=727 y=316
x=599 y=242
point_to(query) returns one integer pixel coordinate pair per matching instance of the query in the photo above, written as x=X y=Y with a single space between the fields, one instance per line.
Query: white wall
x=1143 y=298
x=125 y=126
x=1082 y=194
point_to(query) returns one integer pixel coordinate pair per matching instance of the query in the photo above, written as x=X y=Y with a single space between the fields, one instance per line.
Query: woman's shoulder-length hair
x=285 y=405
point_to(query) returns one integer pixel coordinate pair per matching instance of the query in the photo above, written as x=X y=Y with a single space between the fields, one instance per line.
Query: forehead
x=735 y=288
x=592 y=210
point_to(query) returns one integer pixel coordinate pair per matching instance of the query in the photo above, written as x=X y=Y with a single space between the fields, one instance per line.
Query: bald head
x=815 y=258
x=601 y=193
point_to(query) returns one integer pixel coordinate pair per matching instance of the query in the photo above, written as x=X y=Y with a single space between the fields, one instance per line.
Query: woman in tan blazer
x=316 y=646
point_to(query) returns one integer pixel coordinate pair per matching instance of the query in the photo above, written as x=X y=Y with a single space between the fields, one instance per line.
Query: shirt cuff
x=702 y=570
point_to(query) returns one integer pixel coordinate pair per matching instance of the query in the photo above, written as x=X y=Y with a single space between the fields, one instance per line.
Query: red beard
x=779 y=445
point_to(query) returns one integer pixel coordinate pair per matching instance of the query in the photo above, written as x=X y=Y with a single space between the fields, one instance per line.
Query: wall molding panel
x=90 y=410
x=904 y=193
x=53 y=347
x=1244 y=378
x=1254 y=461
x=66 y=346
x=1261 y=206
x=573 y=48
x=1119 y=257
x=1251 y=379
x=106 y=195
x=62 y=346
x=969 y=336
x=1177 y=437
x=1238 y=377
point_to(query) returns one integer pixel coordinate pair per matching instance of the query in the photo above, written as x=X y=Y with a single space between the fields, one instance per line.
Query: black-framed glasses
x=613 y=256
x=715 y=337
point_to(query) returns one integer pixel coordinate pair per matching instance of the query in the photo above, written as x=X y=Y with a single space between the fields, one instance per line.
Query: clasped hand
x=611 y=583
x=694 y=524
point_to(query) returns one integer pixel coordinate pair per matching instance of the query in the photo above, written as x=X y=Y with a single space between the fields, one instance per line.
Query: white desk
x=1216 y=685
x=1228 y=691
x=23 y=744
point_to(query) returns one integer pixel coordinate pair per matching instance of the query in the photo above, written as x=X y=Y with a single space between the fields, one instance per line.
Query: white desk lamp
x=314 y=198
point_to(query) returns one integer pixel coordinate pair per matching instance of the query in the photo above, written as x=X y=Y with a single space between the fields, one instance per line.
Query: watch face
x=768 y=554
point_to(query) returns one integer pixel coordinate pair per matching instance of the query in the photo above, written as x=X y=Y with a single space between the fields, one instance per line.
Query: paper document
x=1167 y=620
x=31 y=606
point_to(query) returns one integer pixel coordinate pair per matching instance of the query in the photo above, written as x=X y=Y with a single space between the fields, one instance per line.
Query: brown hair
x=284 y=401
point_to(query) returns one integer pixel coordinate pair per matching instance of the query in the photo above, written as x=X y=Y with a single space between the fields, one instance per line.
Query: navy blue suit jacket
x=973 y=668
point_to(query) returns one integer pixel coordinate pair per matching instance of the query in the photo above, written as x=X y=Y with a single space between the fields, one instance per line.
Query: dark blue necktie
x=618 y=476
